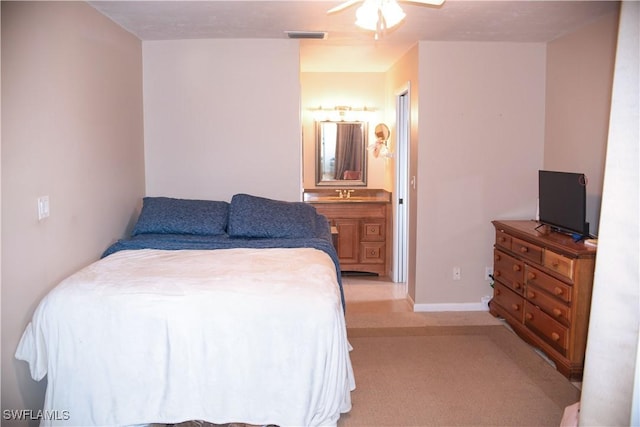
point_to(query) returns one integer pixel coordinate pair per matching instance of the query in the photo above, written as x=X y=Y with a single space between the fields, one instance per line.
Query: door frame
x=401 y=200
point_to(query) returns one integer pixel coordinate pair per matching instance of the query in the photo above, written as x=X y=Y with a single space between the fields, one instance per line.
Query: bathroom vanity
x=362 y=218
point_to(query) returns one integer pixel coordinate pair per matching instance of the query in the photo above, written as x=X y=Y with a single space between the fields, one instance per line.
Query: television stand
x=542 y=288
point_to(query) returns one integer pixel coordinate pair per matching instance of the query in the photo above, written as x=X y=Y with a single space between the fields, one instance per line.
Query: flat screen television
x=562 y=201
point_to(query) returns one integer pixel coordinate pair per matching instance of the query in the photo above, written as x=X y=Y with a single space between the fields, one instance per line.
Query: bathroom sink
x=362 y=198
x=355 y=196
x=338 y=199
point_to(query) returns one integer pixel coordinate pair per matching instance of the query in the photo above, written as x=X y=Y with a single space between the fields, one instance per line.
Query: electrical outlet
x=488 y=272
x=457 y=273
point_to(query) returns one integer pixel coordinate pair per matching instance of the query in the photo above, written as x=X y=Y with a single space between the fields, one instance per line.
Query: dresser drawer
x=503 y=240
x=550 y=305
x=551 y=331
x=508 y=270
x=527 y=250
x=372 y=252
x=372 y=231
x=549 y=284
x=509 y=301
x=558 y=263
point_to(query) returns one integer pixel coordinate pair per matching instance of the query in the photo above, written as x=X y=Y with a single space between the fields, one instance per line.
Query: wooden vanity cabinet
x=363 y=242
x=542 y=288
x=347 y=242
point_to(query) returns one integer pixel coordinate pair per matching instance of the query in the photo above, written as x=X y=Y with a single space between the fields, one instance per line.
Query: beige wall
x=72 y=130
x=216 y=127
x=481 y=144
x=578 y=90
x=334 y=89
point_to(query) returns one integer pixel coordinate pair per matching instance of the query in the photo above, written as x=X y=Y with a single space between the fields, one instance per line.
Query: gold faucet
x=344 y=194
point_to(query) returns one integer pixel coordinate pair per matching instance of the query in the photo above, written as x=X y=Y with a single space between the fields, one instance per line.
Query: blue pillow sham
x=165 y=215
x=259 y=217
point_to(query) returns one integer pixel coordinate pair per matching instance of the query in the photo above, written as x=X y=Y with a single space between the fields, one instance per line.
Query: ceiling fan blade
x=428 y=2
x=342 y=6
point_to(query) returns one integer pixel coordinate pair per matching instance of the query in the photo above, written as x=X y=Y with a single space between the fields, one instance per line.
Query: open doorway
x=401 y=187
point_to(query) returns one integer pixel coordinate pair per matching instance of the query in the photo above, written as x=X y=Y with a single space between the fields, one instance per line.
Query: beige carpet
x=452 y=376
x=444 y=369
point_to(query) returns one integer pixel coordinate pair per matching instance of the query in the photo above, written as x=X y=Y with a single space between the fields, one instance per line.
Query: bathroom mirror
x=341 y=149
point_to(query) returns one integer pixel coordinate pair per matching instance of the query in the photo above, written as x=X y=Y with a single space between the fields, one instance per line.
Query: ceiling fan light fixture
x=379 y=15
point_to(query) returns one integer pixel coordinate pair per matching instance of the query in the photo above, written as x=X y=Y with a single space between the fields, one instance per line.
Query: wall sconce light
x=341 y=113
x=379 y=147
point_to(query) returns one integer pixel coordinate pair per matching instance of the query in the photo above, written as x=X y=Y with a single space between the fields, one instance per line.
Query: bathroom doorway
x=401 y=187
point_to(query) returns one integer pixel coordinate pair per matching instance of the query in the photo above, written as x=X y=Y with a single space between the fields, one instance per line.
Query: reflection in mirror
x=341 y=153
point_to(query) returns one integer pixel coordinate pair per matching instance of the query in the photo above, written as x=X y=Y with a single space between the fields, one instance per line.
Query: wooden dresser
x=363 y=226
x=542 y=288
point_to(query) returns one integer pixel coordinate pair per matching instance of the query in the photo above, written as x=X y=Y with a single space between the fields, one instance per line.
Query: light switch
x=43 y=207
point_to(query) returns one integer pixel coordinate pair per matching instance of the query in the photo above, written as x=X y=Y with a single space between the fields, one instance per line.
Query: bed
x=213 y=311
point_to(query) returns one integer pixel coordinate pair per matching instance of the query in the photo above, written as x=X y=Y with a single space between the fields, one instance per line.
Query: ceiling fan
x=379 y=15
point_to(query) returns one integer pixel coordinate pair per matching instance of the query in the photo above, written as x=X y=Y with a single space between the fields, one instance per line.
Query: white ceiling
x=347 y=48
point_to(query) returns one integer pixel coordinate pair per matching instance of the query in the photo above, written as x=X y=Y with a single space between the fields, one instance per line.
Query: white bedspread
x=231 y=335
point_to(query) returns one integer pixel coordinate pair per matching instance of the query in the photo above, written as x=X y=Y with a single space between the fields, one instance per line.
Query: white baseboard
x=469 y=306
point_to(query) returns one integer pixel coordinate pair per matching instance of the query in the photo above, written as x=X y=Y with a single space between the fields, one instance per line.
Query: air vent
x=319 y=35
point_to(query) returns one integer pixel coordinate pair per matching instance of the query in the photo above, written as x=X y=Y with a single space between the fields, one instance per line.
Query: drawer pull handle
x=501 y=239
x=555 y=336
x=557 y=312
x=524 y=249
x=496 y=273
x=498 y=292
x=531 y=294
x=517 y=285
x=531 y=276
x=529 y=316
x=558 y=291
x=555 y=264
x=515 y=307
x=516 y=267
x=497 y=257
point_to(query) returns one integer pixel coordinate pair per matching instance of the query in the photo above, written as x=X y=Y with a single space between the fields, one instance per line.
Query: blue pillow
x=164 y=215
x=252 y=216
